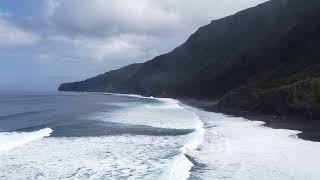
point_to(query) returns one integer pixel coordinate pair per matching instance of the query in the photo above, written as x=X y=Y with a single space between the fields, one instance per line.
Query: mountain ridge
x=260 y=59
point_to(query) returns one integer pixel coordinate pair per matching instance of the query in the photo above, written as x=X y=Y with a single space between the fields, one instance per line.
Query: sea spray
x=179 y=167
x=12 y=140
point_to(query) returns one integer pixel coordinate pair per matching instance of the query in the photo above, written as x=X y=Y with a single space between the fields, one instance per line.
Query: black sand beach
x=310 y=128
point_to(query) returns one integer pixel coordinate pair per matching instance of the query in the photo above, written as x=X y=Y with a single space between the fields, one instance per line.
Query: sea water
x=95 y=136
x=113 y=136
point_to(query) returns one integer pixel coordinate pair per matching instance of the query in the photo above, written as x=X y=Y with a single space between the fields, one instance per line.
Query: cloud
x=77 y=39
x=12 y=36
x=123 y=31
x=101 y=17
x=165 y=17
x=124 y=46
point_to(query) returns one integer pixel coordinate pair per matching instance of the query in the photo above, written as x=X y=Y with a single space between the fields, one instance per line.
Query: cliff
x=264 y=59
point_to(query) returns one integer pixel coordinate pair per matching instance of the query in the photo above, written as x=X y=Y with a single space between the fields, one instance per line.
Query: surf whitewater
x=98 y=136
x=12 y=140
x=108 y=136
x=181 y=165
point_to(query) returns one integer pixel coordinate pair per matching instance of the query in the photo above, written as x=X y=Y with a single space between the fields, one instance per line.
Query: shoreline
x=310 y=129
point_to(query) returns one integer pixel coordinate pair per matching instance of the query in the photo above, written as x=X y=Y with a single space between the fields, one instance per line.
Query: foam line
x=10 y=140
x=181 y=166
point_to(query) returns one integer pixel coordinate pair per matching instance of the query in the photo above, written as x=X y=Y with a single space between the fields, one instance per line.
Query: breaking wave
x=10 y=140
x=177 y=117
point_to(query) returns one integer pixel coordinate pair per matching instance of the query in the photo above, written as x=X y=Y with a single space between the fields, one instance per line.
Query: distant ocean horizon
x=60 y=135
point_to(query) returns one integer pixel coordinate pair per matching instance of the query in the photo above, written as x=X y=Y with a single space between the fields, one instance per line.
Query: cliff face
x=112 y=81
x=264 y=58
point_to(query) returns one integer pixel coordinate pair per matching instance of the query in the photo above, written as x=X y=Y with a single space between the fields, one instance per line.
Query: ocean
x=114 y=136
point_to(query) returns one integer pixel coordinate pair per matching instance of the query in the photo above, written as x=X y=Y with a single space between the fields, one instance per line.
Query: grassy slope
x=296 y=93
x=264 y=58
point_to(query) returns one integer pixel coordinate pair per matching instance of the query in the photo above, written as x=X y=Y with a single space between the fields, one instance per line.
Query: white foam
x=123 y=157
x=111 y=157
x=162 y=113
x=130 y=95
x=10 y=140
x=166 y=113
x=145 y=97
x=180 y=166
x=235 y=148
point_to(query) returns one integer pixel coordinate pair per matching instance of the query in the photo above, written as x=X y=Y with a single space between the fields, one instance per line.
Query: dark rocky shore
x=263 y=60
x=310 y=128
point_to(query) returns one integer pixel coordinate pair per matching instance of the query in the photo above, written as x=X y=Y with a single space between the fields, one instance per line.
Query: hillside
x=265 y=58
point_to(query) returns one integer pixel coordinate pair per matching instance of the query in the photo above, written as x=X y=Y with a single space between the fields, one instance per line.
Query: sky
x=47 y=42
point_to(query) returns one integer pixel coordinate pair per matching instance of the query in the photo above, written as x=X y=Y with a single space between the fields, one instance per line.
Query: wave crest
x=10 y=140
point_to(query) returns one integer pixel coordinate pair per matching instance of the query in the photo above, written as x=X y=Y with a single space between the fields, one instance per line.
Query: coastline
x=310 y=129
x=183 y=162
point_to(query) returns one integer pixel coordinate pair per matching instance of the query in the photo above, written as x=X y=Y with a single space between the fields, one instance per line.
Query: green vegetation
x=264 y=59
x=297 y=93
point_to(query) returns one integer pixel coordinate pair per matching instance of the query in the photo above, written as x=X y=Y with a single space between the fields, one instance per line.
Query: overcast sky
x=46 y=42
